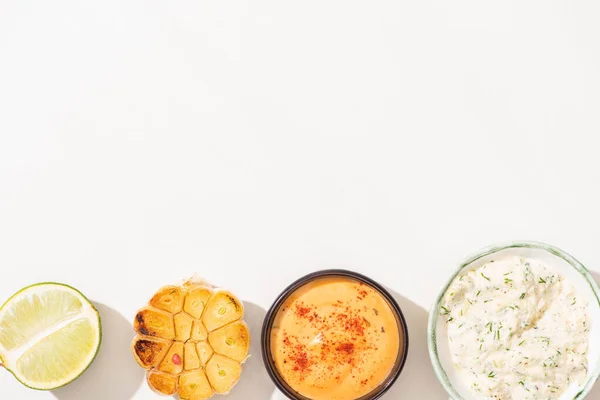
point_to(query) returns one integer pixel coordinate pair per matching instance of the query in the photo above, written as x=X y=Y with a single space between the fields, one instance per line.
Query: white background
x=255 y=141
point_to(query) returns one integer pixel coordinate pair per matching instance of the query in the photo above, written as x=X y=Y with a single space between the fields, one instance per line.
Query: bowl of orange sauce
x=334 y=335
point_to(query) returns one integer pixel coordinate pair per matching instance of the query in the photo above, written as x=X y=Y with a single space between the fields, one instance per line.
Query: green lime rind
x=95 y=350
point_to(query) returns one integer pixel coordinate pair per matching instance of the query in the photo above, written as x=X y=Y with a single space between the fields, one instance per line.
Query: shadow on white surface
x=114 y=374
x=254 y=383
x=417 y=380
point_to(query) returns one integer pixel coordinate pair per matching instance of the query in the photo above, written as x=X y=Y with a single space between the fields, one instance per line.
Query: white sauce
x=517 y=330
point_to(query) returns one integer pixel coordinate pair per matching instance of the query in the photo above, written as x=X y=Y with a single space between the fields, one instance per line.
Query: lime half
x=49 y=334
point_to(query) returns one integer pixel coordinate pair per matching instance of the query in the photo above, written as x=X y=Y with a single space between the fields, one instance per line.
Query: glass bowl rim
x=494 y=248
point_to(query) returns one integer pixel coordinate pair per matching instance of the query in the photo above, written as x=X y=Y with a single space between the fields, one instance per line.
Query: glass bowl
x=559 y=260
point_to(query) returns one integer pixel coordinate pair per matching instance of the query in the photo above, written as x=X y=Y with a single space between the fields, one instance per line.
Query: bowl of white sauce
x=517 y=321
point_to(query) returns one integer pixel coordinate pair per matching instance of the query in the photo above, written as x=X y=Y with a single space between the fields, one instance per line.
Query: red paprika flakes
x=334 y=335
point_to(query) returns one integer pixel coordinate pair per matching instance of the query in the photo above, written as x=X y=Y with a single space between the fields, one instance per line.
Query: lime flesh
x=49 y=334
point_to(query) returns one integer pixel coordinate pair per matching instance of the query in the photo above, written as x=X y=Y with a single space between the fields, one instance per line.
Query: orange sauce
x=335 y=339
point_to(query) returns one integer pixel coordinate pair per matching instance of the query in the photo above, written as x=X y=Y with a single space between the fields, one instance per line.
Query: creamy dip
x=517 y=330
x=335 y=339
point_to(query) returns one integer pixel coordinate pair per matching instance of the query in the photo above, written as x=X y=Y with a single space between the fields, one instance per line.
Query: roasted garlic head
x=191 y=340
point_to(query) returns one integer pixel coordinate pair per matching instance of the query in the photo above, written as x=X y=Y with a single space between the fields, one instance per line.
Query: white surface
x=254 y=142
